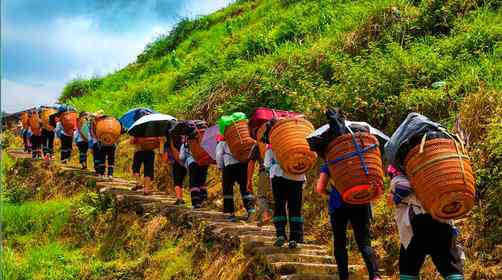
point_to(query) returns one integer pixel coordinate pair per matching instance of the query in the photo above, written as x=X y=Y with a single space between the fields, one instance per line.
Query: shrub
x=79 y=87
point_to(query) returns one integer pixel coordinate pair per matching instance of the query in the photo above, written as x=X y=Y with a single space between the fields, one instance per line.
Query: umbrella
x=373 y=130
x=209 y=142
x=153 y=125
x=128 y=119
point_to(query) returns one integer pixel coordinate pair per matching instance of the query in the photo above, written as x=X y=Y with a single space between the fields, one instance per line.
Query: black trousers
x=431 y=237
x=147 y=159
x=66 y=147
x=83 y=147
x=197 y=177
x=359 y=217
x=236 y=173
x=288 y=207
x=36 y=145
x=26 y=142
x=48 y=141
x=179 y=174
x=104 y=154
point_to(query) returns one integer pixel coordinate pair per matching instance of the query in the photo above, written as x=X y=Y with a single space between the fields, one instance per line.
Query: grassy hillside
x=377 y=59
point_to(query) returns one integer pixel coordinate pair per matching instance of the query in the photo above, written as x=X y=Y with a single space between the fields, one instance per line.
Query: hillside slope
x=377 y=59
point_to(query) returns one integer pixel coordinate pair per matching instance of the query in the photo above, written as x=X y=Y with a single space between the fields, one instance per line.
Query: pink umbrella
x=209 y=142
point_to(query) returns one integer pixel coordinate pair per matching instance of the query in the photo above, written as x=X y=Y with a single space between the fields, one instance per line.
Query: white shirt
x=186 y=156
x=274 y=168
x=224 y=156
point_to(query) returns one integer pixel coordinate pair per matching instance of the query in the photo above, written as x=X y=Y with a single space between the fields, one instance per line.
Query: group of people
x=39 y=137
x=279 y=197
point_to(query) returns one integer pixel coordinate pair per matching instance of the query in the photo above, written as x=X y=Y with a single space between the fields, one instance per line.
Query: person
x=26 y=134
x=66 y=142
x=179 y=172
x=233 y=171
x=197 y=175
x=287 y=193
x=144 y=155
x=83 y=147
x=341 y=213
x=264 y=211
x=36 y=135
x=104 y=154
x=421 y=235
x=48 y=141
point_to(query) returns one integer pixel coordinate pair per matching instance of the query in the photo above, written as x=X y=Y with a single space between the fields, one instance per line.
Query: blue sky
x=47 y=43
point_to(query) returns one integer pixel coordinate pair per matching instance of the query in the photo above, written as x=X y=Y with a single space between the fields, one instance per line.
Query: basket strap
x=359 y=151
x=436 y=159
x=352 y=154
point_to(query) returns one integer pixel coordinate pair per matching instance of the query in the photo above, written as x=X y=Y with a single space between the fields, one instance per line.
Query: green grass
x=41 y=218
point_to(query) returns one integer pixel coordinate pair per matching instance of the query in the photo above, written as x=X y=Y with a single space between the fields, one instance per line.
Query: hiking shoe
x=279 y=242
x=179 y=202
x=232 y=218
x=292 y=244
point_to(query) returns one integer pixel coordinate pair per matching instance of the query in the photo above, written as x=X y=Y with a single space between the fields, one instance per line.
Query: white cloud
x=16 y=96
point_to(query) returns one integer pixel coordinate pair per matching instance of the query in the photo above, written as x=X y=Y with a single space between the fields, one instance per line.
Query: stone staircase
x=307 y=262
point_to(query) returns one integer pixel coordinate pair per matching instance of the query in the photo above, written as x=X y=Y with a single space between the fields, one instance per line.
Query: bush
x=79 y=87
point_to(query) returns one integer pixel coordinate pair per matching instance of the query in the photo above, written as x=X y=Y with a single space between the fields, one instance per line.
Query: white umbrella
x=153 y=125
x=373 y=130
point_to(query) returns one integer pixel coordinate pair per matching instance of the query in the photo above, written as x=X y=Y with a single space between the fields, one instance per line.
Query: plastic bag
x=408 y=135
x=226 y=121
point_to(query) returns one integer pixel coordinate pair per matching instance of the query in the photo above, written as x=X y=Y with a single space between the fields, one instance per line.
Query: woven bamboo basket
x=175 y=152
x=35 y=124
x=239 y=140
x=288 y=138
x=262 y=147
x=69 y=122
x=347 y=171
x=148 y=143
x=442 y=178
x=25 y=120
x=44 y=116
x=108 y=130
x=83 y=121
x=199 y=154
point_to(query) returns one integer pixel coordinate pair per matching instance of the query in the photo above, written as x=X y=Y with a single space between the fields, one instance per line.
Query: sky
x=45 y=44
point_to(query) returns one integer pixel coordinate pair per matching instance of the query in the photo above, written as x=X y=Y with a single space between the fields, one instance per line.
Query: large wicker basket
x=35 y=124
x=262 y=147
x=199 y=154
x=108 y=130
x=288 y=138
x=358 y=176
x=44 y=116
x=239 y=140
x=441 y=175
x=175 y=152
x=82 y=124
x=25 y=120
x=69 y=122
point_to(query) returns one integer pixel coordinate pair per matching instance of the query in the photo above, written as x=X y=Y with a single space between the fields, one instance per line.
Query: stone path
x=307 y=262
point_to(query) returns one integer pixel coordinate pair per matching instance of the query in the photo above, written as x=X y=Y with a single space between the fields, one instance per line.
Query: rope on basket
x=358 y=152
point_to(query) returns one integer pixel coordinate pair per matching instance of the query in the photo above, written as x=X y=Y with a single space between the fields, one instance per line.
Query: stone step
x=259 y=242
x=309 y=276
x=286 y=268
x=303 y=258
x=269 y=250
